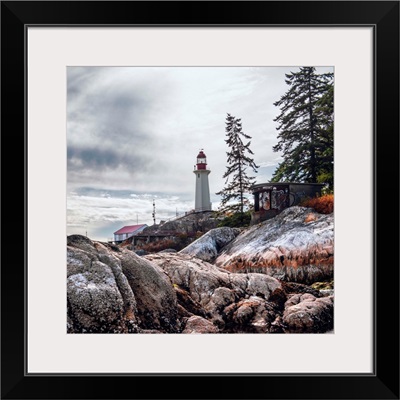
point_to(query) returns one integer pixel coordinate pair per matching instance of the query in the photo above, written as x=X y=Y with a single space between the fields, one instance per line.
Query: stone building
x=271 y=198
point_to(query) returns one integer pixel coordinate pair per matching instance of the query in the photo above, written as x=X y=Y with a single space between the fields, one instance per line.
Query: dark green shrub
x=236 y=220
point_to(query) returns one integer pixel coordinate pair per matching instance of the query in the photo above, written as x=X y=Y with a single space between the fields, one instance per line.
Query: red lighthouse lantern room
x=201 y=160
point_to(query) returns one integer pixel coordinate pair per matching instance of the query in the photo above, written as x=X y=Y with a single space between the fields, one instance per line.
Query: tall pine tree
x=306 y=128
x=237 y=181
x=325 y=117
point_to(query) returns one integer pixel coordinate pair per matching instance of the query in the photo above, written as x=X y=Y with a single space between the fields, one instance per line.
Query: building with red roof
x=127 y=231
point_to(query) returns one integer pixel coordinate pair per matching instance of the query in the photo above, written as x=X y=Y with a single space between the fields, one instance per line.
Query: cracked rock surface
x=115 y=291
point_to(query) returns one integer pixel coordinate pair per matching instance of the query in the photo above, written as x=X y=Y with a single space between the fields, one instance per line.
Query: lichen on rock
x=290 y=247
x=255 y=280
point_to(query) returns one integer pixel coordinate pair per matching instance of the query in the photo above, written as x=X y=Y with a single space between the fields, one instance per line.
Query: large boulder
x=207 y=246
x=113 y=290
x=99 y=297
x=304 y=313
x=297 y=245
x=155 y=296
x=252 y=315
x=196 y=324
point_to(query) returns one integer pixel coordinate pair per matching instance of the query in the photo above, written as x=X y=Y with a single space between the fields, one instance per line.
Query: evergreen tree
x=306 y=128
x=325 y=117
x=237 y=181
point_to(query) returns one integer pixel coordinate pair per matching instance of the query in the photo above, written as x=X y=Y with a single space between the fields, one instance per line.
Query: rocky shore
x=263 y=279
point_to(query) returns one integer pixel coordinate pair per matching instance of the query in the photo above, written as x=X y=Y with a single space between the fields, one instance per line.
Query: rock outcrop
x=228 y=281
x=218 y=294
x=99 y=297
x=114 y=290
x=304 y=313
x=290 y=247
x=193 y=222
x=209 y=245
x=196 y=324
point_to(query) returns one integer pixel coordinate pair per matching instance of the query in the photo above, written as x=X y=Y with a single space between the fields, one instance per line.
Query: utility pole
x=154 y=212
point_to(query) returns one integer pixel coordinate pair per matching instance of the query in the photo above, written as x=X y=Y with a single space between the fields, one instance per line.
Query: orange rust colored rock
x=310 y=217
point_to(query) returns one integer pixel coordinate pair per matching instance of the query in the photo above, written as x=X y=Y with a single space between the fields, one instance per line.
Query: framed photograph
x=107 y=106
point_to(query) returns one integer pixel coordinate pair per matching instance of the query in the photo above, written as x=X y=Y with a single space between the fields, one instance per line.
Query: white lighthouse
x=202 y=199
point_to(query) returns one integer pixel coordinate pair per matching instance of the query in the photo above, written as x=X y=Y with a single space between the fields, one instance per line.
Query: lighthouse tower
x=202 y=199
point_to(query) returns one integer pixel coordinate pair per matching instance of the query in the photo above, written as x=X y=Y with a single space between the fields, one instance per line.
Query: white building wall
x=202 y=197
x=124 y=236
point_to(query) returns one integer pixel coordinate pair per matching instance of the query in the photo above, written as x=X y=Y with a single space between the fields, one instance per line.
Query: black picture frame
x=383 y=383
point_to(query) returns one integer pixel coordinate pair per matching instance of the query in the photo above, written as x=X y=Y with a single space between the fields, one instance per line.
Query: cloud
x=96 y=158
x=134 y=132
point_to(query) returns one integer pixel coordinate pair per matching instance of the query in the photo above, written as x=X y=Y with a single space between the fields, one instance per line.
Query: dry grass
x=159 y=245
x=322 y=204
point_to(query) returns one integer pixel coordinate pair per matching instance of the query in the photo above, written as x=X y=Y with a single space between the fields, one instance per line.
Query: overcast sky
x=133 y=134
